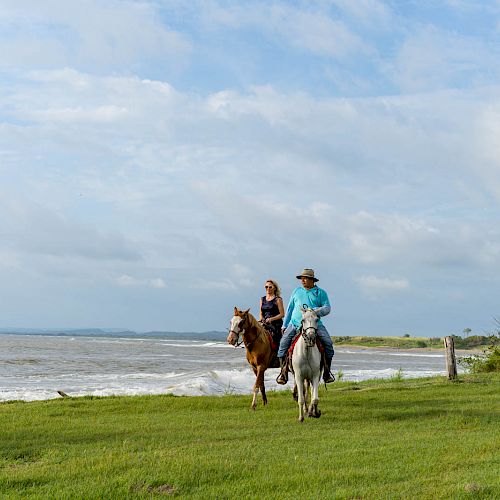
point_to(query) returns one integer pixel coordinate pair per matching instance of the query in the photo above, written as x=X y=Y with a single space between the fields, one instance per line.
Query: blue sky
x=159 y=160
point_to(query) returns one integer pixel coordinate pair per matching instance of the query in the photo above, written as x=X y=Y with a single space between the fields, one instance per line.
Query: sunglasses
x=269 y=286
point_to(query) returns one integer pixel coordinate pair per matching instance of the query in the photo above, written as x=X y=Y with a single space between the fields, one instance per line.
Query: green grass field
x=425 y=438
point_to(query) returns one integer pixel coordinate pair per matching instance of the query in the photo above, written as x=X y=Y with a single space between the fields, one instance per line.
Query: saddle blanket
x=296 y=338
x=269 y=331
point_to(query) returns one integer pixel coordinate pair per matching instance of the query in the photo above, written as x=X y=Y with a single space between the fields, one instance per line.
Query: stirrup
x=282 y=379
x=329 y=377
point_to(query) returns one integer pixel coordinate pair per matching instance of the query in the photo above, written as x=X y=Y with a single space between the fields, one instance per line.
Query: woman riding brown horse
x=260 y=356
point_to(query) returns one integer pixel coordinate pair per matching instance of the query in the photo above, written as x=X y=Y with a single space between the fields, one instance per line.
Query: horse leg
x=255 y=388
x=307 y=396
x=300 y=397
x=314 y=411
x=262 y=386
x=259 y=385
x=255 y=392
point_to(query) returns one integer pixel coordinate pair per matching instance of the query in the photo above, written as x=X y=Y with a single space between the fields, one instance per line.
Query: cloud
x=369 y=12
x=35 y=229
x=373 y=286
x=214 y=285
x=126 y=183
x=77 y=114
x=243 y=275
x=129 y=281
x=411 y=241
x=116 y=35
x=431 y=58
x=223 y=178
x=307 y=29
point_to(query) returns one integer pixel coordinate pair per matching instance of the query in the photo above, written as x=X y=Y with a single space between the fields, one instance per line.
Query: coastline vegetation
x=397 y=438
x=407 y=342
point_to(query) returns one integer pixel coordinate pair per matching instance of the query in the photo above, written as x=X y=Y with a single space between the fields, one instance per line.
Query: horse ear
x=235 y=310
x=246 y=312
x=302 y=309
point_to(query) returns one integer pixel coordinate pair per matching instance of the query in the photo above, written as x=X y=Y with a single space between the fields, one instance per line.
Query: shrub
x=398 y=375
x=341 y=338
x=489 y=361
x=470 y=342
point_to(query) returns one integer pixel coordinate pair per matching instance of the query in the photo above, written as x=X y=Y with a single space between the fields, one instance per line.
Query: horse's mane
x=252 y=320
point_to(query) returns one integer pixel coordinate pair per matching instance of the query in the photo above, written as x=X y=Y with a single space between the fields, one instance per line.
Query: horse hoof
x=301 y=419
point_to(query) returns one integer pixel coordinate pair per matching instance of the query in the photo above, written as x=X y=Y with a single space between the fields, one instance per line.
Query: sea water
x=35 y=367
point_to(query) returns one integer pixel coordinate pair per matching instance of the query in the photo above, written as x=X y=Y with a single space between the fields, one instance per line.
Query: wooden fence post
x=451 y=364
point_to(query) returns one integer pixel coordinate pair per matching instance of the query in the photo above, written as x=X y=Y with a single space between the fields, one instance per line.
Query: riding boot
x=283 y=376
x=327 y=374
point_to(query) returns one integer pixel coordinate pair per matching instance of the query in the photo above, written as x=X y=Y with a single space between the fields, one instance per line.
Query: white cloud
x=129 y=281
x=130 y=179
x=432 y=59
x=126 y=280
x=114 y=34
x=243 y=275
x=214 y=285
x=374 y=287
x=34 y=229
x=281 y=167
x=369 y=12
x=308 y=29
x=157 y=283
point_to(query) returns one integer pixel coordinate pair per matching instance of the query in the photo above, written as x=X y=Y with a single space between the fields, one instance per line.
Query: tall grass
x=426 y=438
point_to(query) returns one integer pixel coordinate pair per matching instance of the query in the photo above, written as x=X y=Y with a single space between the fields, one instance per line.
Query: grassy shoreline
x=472 y=343
x=420 y=438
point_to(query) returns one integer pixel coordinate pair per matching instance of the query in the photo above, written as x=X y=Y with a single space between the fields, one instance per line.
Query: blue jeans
x=290 y=332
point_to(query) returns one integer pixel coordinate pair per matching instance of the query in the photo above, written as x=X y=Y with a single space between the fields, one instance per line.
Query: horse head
x=309 y=325
x=237 y=325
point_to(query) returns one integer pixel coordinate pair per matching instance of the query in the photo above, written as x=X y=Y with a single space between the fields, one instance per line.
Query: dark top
x=269 y=309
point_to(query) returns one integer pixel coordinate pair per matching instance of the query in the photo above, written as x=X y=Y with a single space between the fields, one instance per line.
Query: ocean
x=35 y=367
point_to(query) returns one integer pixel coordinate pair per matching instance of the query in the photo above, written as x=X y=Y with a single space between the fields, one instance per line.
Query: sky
x=160 y=159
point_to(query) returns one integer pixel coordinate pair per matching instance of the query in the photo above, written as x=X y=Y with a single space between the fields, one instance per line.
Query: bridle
x=309 y=338
x=237 y=337
x=241 y=332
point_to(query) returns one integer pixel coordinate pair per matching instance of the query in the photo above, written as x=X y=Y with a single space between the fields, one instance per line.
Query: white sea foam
x=388 y=352
x=415 y=354
x=36 y=367
x=360 y=375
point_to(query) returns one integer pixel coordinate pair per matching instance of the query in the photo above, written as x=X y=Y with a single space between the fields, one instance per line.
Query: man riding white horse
x=317 y=299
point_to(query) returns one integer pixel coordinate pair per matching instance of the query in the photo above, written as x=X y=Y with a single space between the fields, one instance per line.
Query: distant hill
x=116 y=332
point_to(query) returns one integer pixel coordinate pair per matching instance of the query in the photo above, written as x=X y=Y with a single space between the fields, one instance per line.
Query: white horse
x=306 y=364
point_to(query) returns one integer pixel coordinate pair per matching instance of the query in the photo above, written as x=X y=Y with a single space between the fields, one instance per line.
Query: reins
x=303 y=333
x=237 y=336
x=249 y=345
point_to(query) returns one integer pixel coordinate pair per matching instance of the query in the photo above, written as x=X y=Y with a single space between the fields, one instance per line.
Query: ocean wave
x=388 y=352
x=211 y=383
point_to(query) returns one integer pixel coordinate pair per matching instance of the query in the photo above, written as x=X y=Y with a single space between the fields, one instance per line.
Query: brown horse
x=258 y=346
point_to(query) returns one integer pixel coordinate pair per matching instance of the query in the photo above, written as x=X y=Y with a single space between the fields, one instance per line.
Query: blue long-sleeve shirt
x=316 y=298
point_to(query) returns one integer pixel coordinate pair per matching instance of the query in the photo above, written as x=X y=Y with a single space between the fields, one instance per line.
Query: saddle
x=275 y=343
x=288 y=359
x=296 y=338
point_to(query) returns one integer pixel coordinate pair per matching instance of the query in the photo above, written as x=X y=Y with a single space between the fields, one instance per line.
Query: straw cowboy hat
x=307 y=273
